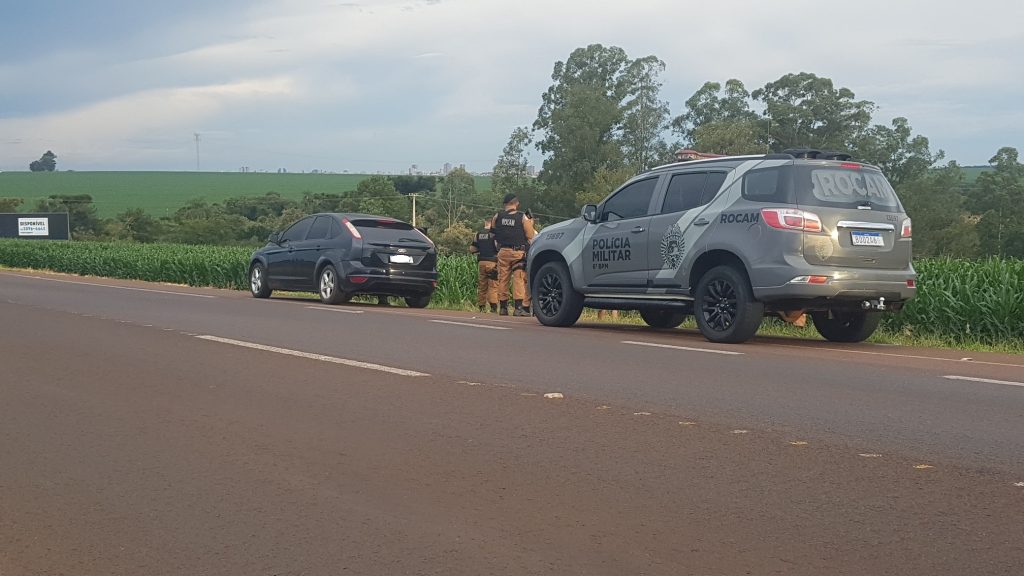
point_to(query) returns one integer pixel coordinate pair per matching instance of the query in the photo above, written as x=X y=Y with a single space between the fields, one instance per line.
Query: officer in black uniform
x=513 y=230
x=486 y=250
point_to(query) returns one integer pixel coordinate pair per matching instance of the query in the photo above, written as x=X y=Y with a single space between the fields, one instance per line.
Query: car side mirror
x=589 y=212
x=274 y=238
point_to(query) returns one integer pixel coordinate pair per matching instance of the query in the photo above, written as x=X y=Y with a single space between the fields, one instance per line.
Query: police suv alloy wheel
x=725 y=308
x=663 y=317
x=258 y=284
x=846 y=325
x=555 y=301
x=330 y=286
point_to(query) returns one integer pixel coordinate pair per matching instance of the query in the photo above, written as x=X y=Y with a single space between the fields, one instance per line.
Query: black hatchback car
x=344 y=255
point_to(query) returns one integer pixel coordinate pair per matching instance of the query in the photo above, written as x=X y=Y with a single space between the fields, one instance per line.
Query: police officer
x=486 y=251
x=513 y=231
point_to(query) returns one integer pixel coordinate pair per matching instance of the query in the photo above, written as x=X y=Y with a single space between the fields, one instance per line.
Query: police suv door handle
x=701 y=222
x=637 y=229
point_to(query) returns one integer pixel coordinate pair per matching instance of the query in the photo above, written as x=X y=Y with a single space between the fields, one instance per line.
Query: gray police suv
x=731 y=240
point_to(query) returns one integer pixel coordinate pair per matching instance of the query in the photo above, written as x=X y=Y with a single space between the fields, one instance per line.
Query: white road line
x=118 y=287
x=812 y=349
x=985 y=380
x=471 y=325
x=320 y=357
x=334 y=309
x=687 y=348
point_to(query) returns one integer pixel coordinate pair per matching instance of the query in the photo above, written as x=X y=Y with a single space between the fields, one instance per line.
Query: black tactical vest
x=485 y=250
x=509 y=230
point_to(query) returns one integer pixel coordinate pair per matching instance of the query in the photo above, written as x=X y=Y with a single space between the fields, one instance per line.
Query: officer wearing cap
x=486 y=251
x=513 y=231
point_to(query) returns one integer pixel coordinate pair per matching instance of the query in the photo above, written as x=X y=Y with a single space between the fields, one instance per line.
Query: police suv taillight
x=791 y=219
x=905 y=233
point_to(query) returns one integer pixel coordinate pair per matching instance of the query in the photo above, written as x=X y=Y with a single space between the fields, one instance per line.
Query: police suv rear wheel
x=555 y=301
x=663 y=317
x=725 y=308
x=846 y=326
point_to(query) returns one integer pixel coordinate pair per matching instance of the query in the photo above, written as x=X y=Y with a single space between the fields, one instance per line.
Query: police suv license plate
x=867 y=239
x=401 y=259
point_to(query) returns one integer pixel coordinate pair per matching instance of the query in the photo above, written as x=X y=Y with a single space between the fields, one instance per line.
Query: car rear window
x=845 y=187
x=385 y=230
x=825 y=185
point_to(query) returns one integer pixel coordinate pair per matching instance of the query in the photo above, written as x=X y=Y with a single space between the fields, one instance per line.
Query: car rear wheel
x=258 y=283
x=330 y=286
x=663 y=317
x=846 y=326
x=555 y=301
x=725 y=308
x=417 y=301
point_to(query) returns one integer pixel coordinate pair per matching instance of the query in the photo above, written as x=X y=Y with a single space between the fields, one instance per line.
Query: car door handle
x=637 y=229
x=701 y=222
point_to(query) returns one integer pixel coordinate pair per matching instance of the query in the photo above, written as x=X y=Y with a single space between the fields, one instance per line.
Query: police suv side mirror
x=589 y=212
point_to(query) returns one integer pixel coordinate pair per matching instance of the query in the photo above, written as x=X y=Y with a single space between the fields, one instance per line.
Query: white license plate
x=401 y=259
x=867 y=239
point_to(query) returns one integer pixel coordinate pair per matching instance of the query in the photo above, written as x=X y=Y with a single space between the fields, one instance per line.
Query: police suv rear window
x=848 y=187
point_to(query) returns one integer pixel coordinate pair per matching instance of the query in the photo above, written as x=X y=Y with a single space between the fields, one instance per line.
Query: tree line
x=602 y=120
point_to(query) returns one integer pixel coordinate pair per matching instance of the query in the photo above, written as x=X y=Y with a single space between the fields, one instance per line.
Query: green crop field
x=161 y=193
x=959 y=302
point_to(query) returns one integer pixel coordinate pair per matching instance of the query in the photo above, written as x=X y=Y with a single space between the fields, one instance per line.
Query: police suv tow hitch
x=874 y=304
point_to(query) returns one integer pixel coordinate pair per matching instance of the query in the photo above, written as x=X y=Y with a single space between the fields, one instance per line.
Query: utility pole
x=196 y=134
x=414 y=196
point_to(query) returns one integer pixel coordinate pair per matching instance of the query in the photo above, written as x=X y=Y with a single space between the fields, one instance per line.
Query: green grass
x=976 y=305
x=161 y=193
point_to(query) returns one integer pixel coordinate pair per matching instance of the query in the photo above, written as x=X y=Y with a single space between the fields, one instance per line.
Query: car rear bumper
x=849 y=285
x=359 y=280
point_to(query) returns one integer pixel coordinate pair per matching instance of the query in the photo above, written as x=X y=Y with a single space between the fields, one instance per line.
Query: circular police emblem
x=673 y=246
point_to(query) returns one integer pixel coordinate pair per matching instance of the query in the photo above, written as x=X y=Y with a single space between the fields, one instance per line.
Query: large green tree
x=901 y=155
x=46 y=163
x=719 y=119
x=580 y=120
x=808 y=111
x=942 y=225
x=511 y=172
x=645 y=116
x=998 y=196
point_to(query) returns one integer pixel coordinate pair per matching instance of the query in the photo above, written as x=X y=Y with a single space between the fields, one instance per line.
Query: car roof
x=357 y=216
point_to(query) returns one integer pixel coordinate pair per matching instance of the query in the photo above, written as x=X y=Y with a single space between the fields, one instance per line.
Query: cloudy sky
x=378 y=85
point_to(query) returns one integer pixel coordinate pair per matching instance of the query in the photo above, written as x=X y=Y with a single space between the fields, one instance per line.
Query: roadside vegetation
x=961 y=303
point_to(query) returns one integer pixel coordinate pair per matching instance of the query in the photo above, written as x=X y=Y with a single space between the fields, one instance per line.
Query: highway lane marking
x=471 y=325
x=334 y=309
x=985 y=380
x=112 y=286
x=812 y=349
x=310 y=356
x=687 y=348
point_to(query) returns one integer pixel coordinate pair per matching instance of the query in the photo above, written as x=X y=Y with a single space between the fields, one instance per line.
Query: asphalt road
x=152 y=429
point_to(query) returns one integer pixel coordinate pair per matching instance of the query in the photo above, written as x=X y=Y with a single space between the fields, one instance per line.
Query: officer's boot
x=494 y=308
x=520 y=311
x=503 y=308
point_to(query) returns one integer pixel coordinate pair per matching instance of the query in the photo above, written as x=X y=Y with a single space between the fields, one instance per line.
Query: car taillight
x=352 y=229
x=905 y=233
x=911 y=283
x=850 y=166
x=810 y=280
x=790 y=219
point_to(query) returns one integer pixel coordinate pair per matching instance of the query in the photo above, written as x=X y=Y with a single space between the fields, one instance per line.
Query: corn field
x=958 y=300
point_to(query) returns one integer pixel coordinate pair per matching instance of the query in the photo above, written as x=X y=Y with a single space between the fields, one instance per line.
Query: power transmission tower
x=196 y=134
